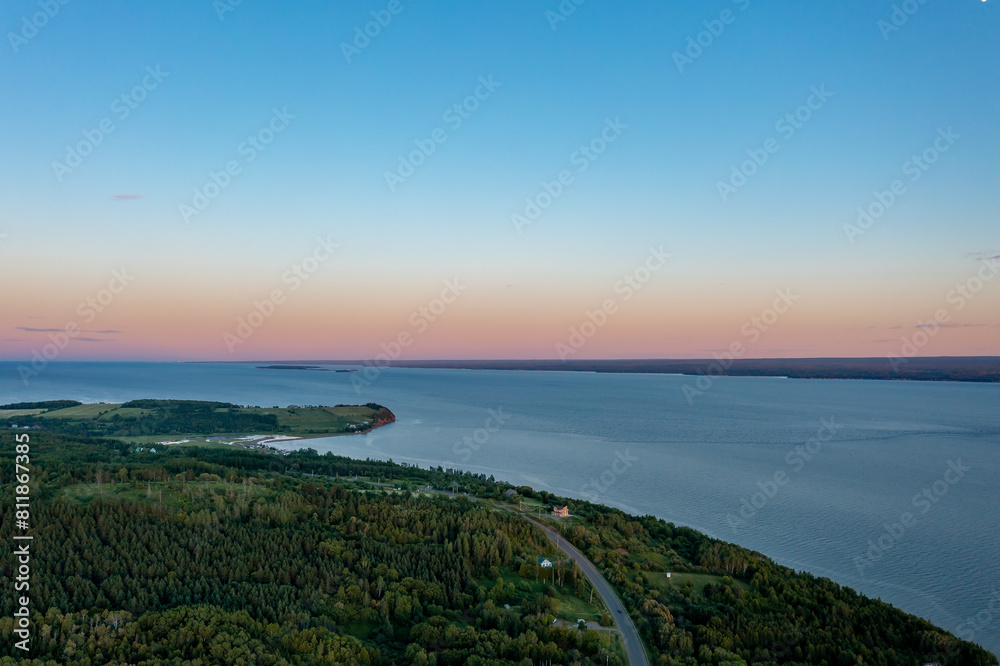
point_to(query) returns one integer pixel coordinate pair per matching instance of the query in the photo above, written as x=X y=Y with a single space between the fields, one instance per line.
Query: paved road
x=623 y=622
x=634 y=649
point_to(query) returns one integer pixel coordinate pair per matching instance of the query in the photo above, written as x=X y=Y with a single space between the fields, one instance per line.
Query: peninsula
x=149 y=421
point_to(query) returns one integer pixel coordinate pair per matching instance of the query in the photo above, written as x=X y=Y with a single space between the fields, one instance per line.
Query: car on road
x=619 y=610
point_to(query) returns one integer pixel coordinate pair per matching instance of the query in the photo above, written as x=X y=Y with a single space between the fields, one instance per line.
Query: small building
x=561 y=511
x=544 y=563
x=510 y=493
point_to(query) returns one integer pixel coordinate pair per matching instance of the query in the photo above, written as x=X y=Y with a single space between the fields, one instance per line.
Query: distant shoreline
x=976 y=369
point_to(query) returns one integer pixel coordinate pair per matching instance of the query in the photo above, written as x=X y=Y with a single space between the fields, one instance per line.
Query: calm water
x=852 y=458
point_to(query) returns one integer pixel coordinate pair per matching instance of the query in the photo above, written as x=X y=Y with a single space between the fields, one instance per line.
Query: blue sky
x=657 y=184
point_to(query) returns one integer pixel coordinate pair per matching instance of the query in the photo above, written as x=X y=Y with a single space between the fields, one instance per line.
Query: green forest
x=212 y=555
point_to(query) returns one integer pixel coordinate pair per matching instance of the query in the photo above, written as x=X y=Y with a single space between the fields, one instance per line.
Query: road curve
x=634 y=649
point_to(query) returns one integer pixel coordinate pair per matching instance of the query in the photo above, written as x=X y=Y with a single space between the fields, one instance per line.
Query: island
x=210 y=554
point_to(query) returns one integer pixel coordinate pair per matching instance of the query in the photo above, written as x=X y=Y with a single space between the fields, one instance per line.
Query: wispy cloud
x=984 y=256
x=28 y=329
x=949 y=325
x=127 y=197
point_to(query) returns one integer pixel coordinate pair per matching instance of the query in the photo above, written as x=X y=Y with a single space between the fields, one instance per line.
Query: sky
x=237 y=180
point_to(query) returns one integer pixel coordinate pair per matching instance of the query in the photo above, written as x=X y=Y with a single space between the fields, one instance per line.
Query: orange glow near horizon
x=167 y=321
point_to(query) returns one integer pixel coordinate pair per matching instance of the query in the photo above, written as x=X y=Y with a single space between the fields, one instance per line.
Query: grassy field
x=317 y=420
x=656 y=558
x=571 y=607
x=103 y=412
x=698 y=581
x=11 y=413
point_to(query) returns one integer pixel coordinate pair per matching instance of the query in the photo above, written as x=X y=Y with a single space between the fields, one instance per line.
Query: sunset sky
x=128 y=240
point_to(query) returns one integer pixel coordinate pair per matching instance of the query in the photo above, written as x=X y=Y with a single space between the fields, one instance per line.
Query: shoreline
x=267 y=439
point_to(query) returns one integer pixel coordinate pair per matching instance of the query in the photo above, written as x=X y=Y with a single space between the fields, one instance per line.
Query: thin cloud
x=90 y=340
x=14 y=340
x=28 y=329
x=949 y=325
x=127 y=197
x=984 y=256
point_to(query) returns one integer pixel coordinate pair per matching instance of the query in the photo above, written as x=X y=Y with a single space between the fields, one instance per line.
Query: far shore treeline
x=902 y=366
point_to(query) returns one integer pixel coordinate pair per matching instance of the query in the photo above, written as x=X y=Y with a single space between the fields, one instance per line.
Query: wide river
x=888 y=487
